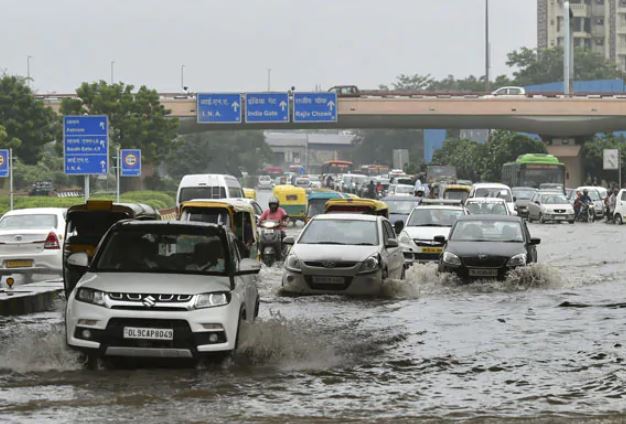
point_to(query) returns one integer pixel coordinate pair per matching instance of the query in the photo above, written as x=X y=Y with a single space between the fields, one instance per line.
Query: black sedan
x=400 y=207
x=487 y=246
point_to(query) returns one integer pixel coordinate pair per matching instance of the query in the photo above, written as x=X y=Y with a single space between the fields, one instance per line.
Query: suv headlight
x=517 y=260
x=451 y=259
x=404 y=238
x=293 y=263
x=90 y=296
x=369 y=265
x=211 y=300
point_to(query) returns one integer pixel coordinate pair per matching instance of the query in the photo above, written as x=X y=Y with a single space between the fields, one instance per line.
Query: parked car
x=161 y=289
x=30 y=242
x=487 y=246
x=523 y=196
x=426 y=222
x=343 y=253
x=550 y=206
x=486 y=206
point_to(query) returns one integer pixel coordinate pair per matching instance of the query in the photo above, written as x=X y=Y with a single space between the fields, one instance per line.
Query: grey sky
x=229 y=44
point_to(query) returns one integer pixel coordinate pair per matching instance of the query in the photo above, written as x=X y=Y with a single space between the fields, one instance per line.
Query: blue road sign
x=4 y=163
x=267 y=107
x=86 y=144
x=218 y=108
x=130 y=163
x=314 y=107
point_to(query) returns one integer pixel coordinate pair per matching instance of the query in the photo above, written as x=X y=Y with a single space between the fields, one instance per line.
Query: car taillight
x=52 y=242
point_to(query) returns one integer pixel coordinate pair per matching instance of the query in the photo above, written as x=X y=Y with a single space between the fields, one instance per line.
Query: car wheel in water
x=403 y=274
x=618 y=219
x=541 y=219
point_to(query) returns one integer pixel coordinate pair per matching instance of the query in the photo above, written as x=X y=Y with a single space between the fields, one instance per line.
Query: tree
x=470 y=84
x=28 y=123
x=227 y=152
x=592 y=153
x=377 y=145
x=541 y=66
x=464 y=155
x=137 y=119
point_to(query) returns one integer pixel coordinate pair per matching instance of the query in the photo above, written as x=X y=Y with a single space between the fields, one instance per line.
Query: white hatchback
x=161 y=289
x=30 y=242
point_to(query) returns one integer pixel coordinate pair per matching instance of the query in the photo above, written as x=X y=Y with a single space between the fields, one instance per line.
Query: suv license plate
x=559 y=218
x=148 y=333
x=25 y=263
x=328 y=280
x=483 y=272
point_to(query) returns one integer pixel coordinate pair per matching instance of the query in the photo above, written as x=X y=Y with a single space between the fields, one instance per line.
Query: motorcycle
x=586 y=213
x=271 y=242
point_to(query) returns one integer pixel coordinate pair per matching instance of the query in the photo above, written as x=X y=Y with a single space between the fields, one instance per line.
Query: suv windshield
x=524 y=194
x=425 y=217
x=502 y=231
x=340 y=231
x=490 y=208
x=163 y=249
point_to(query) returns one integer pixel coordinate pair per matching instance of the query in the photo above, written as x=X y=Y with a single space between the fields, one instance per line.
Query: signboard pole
x=11 y=179
x=86 y=187
x=117 y=174
x=619 y=168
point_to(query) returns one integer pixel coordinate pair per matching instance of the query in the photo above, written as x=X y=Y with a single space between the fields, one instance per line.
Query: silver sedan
x=343 y=253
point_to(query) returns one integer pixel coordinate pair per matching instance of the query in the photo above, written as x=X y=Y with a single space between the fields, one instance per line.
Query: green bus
x=534 y=170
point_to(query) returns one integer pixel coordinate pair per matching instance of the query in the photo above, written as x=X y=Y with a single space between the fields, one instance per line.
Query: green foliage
x=219 y=152
x=28 y=124
x=592 y=153
x=470 y=84
x=541 y=66
x=137 y=119
x=484 y=162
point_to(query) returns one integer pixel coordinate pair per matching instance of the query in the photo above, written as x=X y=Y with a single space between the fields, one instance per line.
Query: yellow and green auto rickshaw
x=236 y=214
x=455 y=192
x=365 y=206
x=249 y=193
x=292 y=199
x=87 y=223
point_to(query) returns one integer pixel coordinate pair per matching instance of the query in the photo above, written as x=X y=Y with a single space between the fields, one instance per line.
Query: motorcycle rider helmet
x=273 y=203
x=585 y=191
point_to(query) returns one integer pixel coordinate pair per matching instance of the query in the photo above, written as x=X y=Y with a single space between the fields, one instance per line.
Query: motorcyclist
x=274 y=213
x=581 y=200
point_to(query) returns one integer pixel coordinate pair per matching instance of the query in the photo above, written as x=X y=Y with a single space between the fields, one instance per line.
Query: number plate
x=148 y=333
x=559 y=218
x=328 y=280
x=483 y=272
x=431 y=249
x=18 y=264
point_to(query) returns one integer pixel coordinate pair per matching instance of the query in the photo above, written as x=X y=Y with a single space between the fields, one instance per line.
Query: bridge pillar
x=569 y=151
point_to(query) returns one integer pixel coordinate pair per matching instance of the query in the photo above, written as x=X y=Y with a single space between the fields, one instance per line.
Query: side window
x=389 y=232
x=234 y=192
x=623 y=195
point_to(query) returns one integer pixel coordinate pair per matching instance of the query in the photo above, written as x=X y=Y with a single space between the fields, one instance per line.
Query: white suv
x=161 y=289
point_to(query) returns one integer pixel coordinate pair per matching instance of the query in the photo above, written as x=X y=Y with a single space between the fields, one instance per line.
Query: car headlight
x=293 y=263
x=369 y=265
x=451 y=259
x=404 y=238
x=517 y=260
x=211 y=300
x=90 y=296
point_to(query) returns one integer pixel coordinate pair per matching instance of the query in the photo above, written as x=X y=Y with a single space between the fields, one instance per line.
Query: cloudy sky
x=230 y=44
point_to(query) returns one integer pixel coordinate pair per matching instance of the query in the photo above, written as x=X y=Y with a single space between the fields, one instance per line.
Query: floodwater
x=546 y=345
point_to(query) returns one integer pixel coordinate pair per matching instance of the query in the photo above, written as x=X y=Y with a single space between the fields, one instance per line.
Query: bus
x=336 y=167
x=374 y=169
x=534 y=170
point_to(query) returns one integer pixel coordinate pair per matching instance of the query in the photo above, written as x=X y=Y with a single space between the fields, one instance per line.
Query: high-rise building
x=598 y=25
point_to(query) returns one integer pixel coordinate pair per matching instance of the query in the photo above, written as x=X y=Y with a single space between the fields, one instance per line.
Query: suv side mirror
x=248 y=266
x=440 y=239
x=289 y=241
x=392 y=243
x=79 y=260
x=535 y=241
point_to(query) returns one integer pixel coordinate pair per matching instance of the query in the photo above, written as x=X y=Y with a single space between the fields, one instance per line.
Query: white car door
x=394 y=255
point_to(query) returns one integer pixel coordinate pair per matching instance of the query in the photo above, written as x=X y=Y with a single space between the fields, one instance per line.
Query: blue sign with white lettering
x=314 y=107
x=130 y=163
x=86 y=144
x=267 y=107
x=4 y=163
x=218 y=108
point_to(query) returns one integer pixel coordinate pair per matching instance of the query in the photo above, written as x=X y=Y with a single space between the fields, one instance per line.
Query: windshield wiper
x=328 y=242
x=364 y=244
x=432 y=225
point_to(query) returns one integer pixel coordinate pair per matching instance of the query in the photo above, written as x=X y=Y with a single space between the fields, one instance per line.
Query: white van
x=208 y=186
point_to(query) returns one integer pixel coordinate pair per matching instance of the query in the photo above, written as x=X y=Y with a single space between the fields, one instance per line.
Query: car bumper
x=47 y=262
x=192 y=330
x=558 y=216
x=464 y=273
x=358 y=285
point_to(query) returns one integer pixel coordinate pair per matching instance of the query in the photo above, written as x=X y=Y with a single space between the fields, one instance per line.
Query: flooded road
x=547 y=344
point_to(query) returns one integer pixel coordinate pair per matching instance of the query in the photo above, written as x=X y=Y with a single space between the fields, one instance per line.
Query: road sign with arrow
x=267 y=107
x=86 y=144
x=218 y=108
x=315 y=107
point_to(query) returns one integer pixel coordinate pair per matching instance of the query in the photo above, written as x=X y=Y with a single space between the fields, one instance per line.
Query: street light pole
x=28 y=69
x=112 y=71
x=269 y=79
x=182 y=77
x=487 y=58
x=566 y=48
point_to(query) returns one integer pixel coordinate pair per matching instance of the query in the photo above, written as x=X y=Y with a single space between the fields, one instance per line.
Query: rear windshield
x=501 y=193
x=488 y=208
x=28 y=222
x=503 y=231
x=191 y=193
x=212 y=216
x=424 y=217
x=330 y=231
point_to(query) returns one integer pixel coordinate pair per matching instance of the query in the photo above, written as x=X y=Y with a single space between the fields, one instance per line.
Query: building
x=309 y=149
x=598 y=25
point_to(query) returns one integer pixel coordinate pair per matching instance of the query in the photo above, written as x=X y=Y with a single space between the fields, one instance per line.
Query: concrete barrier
x=29 y=298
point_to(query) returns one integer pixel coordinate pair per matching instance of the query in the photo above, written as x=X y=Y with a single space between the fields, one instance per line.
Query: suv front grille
x=138 y=297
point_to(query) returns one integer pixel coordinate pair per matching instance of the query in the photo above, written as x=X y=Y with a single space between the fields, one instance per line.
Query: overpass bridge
x=551 y=116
